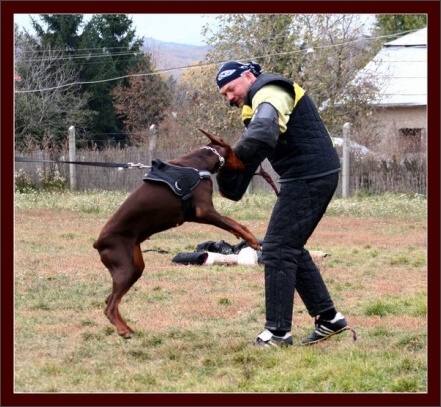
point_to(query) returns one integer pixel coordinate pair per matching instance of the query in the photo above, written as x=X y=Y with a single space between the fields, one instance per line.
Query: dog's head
x=232 y=162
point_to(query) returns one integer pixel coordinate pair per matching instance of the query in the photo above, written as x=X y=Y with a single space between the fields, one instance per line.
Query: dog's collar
x=221 y=159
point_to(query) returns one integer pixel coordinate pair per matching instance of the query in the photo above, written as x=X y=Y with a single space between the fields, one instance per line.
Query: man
x=283 y=125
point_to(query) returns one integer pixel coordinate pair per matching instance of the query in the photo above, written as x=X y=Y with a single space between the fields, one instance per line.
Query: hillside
x=171 y=55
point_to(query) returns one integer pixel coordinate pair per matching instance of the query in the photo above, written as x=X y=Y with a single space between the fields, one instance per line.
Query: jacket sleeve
x=256 y=144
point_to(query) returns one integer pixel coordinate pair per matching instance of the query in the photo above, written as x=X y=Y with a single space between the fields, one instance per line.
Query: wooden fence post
x=345 y=158
x=72 y=157
x=152 y=141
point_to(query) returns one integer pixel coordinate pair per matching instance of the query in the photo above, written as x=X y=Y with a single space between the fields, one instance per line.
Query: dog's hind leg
x=125 y=267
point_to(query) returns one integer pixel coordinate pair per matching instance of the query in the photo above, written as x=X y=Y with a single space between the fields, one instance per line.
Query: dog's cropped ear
x=232 y=162
x=213 y=139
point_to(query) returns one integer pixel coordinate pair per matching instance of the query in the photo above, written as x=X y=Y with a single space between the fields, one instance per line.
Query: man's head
x=234 y=80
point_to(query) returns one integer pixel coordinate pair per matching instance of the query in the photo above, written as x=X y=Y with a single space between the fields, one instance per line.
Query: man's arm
x=256 y=144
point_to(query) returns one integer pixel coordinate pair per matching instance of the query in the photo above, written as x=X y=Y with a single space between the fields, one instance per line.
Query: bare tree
x=321 y=52
x=142 y=102
x=336 y=48
x=46 y=98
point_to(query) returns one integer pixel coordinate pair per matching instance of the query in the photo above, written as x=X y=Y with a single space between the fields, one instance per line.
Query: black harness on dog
x=181 y=180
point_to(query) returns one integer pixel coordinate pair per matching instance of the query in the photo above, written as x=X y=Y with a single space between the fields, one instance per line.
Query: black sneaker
x=267 y=340
x=324 y=329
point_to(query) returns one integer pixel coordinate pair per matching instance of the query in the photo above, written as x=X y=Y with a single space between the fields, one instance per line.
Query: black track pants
x=288 y=265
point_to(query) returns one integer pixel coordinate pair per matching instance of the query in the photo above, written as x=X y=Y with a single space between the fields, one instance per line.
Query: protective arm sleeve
x=256 y=144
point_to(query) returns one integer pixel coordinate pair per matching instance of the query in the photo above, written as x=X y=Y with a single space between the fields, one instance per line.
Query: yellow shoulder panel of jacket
x=278 y=98
x=299 y=92
x=247 y=112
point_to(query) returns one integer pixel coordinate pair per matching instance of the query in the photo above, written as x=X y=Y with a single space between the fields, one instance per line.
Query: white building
x=400 y=72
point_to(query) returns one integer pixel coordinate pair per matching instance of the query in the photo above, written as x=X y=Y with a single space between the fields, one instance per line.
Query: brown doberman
x=154 y=207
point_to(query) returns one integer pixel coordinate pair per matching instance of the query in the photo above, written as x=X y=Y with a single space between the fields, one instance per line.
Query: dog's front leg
x=232 y=226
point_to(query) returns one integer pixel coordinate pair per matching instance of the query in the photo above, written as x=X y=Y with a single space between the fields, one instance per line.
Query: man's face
x=236 y=90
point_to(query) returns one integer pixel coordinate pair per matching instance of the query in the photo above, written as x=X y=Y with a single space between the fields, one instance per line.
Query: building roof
x=400 y=71
x=417 y=38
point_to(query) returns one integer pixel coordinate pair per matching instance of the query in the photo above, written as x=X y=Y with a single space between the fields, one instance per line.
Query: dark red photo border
x=9 y=8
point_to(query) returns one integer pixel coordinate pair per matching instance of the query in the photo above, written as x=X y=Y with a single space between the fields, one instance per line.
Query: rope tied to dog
x=268 y=179
x=352 y=330
x=119 y=166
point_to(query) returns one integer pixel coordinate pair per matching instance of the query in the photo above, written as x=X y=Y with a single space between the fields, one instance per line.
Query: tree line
x=98 y=76
x=84 y=74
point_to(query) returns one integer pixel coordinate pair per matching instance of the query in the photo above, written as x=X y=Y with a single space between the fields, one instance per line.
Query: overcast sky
x=180 y=28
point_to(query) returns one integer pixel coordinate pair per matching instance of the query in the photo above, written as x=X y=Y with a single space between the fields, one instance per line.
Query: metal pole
x=72 y=157
x=345 y=167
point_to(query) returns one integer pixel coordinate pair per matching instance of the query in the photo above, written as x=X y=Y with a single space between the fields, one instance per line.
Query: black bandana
x=233 y=70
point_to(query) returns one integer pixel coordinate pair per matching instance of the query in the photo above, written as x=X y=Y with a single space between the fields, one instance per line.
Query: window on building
x=411 y=140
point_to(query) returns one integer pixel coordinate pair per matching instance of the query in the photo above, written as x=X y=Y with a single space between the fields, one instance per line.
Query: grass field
x=195 y=325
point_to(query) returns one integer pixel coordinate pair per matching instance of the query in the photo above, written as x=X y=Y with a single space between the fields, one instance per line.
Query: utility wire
x=194 y=66
x=87 y=53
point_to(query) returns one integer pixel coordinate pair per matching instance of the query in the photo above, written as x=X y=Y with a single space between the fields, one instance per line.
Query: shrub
x=51 y=180
x=23 y=182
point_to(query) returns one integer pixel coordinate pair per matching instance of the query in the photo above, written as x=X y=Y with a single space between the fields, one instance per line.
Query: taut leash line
x=93 y=163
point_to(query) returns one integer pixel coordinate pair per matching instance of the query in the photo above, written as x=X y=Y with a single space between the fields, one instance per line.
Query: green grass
x=254 y=207
x=194 y=326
